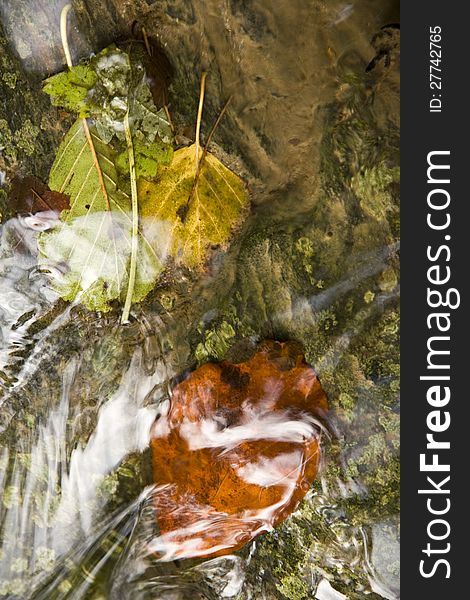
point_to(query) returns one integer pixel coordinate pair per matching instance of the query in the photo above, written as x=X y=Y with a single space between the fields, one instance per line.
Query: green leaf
x=88 y=252
x=74 y=173
x=148 y=157
x=105 y=89
x=71 y=89
x=148 y=123
x=201 y=217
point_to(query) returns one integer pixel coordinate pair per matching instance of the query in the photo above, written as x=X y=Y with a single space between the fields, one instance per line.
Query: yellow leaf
x=201 y=217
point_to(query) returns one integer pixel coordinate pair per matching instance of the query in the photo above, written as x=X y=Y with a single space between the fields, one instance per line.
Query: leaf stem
x=89 y=139
x=63 y=34
x=199 y=115
x=135 y=222
x=209 y=139
x=68 y=57
x=204 y=153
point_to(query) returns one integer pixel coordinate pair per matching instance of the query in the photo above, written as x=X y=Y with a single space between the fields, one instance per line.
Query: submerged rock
x=236 y=452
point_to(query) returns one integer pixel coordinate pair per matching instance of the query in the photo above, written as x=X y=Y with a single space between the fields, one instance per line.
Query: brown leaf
x=31 y=195
x=237 y=451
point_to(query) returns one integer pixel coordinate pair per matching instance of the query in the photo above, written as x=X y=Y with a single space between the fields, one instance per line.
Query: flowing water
x=312 y=128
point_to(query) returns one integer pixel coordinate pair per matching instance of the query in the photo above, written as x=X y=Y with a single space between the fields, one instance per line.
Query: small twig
x=168 y=116
x=216 y=124
x=135 y=222
x=146 y=42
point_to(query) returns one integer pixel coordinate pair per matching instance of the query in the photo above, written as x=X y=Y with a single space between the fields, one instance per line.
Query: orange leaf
x=237 y=451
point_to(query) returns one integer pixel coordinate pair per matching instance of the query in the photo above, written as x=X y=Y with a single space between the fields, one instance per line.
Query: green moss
x=21 y=146
x=372 y=187
x=326 y=320
x=167 y=300
x=293 y=588
x=25 y=137
x=378 y=350
x=346 y=401
x=390 y=422
x=6 y=141
x=286 y=550
x=216 y=343
x=109 y=485
x=304 y=246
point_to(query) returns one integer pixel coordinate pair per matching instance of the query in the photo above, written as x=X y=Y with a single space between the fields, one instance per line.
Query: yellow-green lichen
x=372 y=187
x=388 y=280
x=10 y=78
x=304 y=248
x=293 y=587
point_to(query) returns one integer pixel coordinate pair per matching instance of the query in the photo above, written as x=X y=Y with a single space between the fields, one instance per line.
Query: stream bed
x=312 y=130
